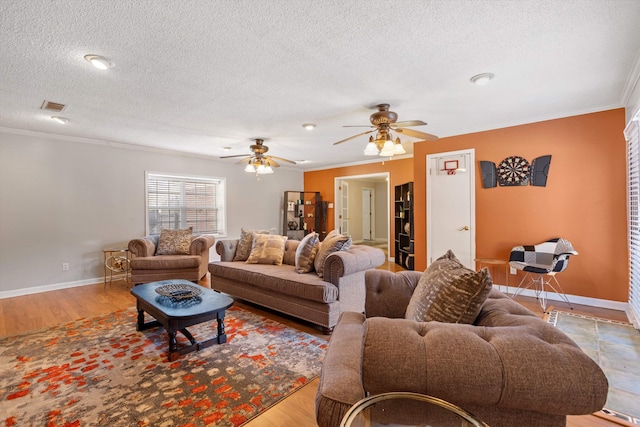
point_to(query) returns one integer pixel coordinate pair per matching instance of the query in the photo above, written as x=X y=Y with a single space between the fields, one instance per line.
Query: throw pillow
x=267 y=249
x=246 y=241
x=306 y=253
x=174 y=242
x=449 y=292
x=332 y=243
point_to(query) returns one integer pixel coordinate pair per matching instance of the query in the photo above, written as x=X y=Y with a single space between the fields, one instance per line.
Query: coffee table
x=406 y=409
x=176 y=314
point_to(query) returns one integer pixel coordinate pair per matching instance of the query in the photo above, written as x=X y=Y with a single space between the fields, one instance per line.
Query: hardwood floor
x=31 y=312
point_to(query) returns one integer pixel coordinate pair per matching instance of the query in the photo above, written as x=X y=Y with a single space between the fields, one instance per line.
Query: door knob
x=465 y=228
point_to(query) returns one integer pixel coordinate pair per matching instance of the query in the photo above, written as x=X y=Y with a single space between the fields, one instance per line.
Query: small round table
x=407 y=409
x=116 y=260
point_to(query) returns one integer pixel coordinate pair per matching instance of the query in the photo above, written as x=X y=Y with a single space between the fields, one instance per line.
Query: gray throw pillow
x=449 y=292
x=332 y=243
x=306 y=253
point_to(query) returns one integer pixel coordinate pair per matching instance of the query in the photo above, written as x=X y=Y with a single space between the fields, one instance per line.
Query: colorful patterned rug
x=101 y=371
x=615 y=346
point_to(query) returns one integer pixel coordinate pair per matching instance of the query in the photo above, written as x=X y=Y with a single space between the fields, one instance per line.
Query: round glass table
x=400 y=409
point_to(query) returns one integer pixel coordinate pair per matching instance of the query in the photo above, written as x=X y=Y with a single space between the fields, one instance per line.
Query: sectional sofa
x=319 y=300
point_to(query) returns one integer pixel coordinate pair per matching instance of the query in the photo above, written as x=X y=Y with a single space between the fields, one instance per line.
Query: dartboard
x=514 y=170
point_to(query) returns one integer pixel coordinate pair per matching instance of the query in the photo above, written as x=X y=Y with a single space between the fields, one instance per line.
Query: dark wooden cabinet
x=304 y=212
x=403 y=230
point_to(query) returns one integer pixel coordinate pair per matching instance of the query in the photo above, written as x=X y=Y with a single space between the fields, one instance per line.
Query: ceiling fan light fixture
x=263 y=169
x=100 y=62
x=371 y=149
x=388 y=149
x=398 y=148
x=482 y=79
x=250 y=168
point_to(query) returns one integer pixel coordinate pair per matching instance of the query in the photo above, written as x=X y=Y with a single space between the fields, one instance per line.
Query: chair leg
x=539 y=287
x=521 y=288
x=558 y=291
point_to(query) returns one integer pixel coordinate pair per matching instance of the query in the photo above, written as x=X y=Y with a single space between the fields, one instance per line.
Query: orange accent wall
x=584 y=200
x=400 y=171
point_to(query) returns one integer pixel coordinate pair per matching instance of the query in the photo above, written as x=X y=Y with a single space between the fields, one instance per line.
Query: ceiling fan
x=384 y=121
x=258 y=162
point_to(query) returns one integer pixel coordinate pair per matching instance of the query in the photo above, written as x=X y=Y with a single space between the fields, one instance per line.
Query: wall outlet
x=65 y=266
x=512 y=270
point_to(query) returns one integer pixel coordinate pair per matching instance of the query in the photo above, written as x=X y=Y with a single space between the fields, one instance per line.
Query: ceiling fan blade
x=354 y=136
x=410 y=123
x=282 y=160
x=245 y=160
x=272 y=162
x=417 y=134
x=235 y=155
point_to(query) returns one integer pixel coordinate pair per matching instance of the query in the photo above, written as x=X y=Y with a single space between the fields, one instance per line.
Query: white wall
x=62 y=200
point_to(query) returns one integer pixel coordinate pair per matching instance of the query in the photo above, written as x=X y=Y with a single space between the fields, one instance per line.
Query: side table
x=493 y=262
x=116 y=260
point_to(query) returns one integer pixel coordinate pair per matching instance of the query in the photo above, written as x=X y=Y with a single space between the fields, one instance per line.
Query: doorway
x=451 y=206
x=351 y=194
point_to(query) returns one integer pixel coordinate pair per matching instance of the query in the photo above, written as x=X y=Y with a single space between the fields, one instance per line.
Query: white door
x=451 y=206
x=344 y=208
x=367 y=198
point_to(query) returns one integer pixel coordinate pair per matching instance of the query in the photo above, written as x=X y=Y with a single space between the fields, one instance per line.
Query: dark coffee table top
x=206 y=302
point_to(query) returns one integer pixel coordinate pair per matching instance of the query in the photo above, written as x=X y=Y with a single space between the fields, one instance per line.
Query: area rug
x=615 y=346
x=101 y=371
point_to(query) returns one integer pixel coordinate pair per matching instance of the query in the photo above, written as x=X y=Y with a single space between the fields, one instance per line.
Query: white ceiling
x=196 y=76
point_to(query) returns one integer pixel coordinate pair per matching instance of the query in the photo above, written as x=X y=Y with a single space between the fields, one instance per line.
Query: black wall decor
x=515 y=171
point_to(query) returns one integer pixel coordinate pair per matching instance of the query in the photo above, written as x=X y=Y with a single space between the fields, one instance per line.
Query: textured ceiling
x=197 y=76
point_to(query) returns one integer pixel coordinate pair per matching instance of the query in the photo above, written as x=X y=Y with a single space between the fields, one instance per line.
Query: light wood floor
x=31 y=312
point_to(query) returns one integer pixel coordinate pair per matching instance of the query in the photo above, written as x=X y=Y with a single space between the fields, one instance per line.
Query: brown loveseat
x=509 y=368
x=305 y=296
x=147 y=267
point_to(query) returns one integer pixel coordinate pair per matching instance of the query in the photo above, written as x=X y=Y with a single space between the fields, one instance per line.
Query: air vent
x=52 y=106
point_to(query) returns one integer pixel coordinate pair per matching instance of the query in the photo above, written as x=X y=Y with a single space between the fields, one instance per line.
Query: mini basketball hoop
x=450 y=167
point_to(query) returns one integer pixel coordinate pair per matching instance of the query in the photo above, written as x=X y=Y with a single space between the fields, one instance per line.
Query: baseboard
x=634 y=318
x=47 y=288
x=576 y=299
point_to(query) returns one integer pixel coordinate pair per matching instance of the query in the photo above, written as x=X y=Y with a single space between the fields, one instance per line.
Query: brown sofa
x=147 y=267
x=509 y=368
x=305 y=296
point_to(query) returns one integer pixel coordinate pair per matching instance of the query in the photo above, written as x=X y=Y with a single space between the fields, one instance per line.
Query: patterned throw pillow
x=246 y=241
x=174 y=242
x=306 y=252
x=332 y=243
x=449 y=292
x=267 y=249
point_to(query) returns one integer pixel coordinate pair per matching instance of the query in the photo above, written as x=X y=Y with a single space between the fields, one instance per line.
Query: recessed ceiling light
x=60 y=119
x=100 y=62
x=482 y=79
x=226 y=148
x=309 y=126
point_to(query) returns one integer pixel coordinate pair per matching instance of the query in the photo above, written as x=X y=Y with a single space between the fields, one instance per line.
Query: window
x=632 y=135
x=175 y=202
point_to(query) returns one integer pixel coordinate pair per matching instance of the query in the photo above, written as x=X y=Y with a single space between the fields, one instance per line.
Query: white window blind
x=178 y=202
x=632 y=135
